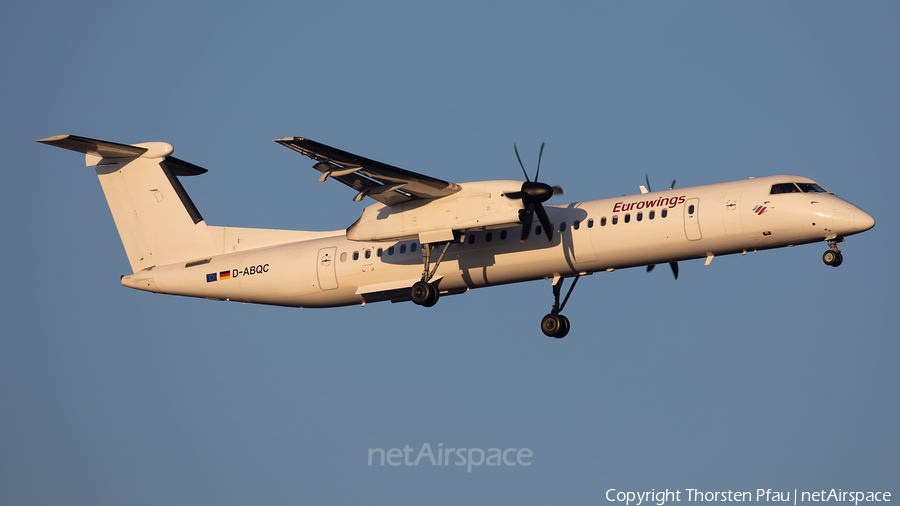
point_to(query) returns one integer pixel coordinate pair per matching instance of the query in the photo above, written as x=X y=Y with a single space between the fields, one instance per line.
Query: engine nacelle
x=476 y=206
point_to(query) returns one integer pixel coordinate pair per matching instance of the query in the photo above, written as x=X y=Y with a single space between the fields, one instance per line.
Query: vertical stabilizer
x=157 y=221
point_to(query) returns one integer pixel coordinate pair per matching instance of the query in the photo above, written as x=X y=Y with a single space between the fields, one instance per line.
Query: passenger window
x=412 y=247
x=627 y=218
x=537 y=230
x=691 y=209
x=488 y=237
x=343 y=256
x=356 y=255
x=664 y=213
x=615 y=219
x=368 y=253
x=591 y=222
x=503 y=235
x=471 y=238
x=379 y=252
x=562 y=227
x=640 y=216
x=390 y=251
x=652 y=214
x=402 y=249
x=576 y=224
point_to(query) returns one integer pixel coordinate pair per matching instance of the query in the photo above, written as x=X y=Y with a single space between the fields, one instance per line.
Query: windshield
x=784 y=188
x=796 y=188
x=811 y=188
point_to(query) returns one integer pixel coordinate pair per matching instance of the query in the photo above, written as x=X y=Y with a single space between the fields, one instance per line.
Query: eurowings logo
x=759 y=210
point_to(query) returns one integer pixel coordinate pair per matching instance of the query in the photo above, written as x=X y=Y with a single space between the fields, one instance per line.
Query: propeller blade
x=673 y=184
x=527 y=216
x=520 y=161
x=647 y=180
x=674 y=266
x=515 y=195
x=650 y=267
x=557 y=190
x=538 y=171
x=545 y=222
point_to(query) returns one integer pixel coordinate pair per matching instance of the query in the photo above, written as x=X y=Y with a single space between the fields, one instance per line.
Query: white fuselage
x=695 y=222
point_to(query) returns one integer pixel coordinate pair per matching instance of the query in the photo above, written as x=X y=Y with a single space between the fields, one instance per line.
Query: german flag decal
x=225 y=275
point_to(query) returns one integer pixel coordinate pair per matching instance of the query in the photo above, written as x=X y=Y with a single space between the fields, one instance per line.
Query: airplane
x=482 y=233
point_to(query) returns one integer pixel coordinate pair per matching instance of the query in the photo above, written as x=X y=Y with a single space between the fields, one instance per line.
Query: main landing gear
x=424 y=292
x=833 y=256
x=555 y=324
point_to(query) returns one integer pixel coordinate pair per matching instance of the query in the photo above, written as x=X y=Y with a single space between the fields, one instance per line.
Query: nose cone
x=862 y=221
x=849 y=219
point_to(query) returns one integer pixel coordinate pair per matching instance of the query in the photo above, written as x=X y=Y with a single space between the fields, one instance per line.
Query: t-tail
x=157 y=221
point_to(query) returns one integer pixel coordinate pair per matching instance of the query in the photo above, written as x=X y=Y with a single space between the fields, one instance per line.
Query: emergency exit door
x=325 y=268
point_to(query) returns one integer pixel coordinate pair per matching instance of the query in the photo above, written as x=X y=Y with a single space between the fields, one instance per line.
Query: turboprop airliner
x=424 y=238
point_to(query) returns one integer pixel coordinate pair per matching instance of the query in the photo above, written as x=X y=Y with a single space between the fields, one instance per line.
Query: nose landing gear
x=555 y=324
x=833 y=256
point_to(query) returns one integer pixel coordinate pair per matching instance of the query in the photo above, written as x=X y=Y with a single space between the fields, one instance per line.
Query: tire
x=555 y=325
x=838 y=261
x=830 y=258
x=563 y=327
x=422 y=293
x=551 y=325
x=432 y=300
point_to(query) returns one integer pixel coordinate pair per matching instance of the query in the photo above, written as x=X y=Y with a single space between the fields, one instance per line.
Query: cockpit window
x=811 y=188
x=796 y=188
x=784 y=188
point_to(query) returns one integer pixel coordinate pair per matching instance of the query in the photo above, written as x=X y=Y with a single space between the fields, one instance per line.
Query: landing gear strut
x=555 y=324
x=424 y=292
x=833 y=256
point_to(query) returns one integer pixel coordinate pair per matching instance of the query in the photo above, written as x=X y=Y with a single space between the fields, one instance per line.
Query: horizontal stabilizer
x=103 y=149
x=98 y=151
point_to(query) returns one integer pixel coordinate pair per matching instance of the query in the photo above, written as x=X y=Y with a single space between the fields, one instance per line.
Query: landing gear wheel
x=424 y=294
x=832 y=258
x=563 y=328
x=555 y=325
x=433 y=299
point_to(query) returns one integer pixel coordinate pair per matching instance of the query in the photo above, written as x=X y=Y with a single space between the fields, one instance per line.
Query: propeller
x=533 y=194
x=647 y=180
x=673 y=265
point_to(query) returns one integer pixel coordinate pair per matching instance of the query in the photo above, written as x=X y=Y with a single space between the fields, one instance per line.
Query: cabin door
x=692 y=219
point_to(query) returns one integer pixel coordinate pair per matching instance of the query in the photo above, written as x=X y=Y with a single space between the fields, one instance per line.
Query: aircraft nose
x=849 y=219
x=862 y=220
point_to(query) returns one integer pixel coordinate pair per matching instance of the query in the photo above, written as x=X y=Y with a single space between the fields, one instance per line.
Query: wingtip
x=52 y=139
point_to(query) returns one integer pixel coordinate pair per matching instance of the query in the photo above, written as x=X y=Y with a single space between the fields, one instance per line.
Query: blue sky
x=765 y=371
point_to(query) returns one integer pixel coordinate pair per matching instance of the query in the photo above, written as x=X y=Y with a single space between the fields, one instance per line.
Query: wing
x=385 y=183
